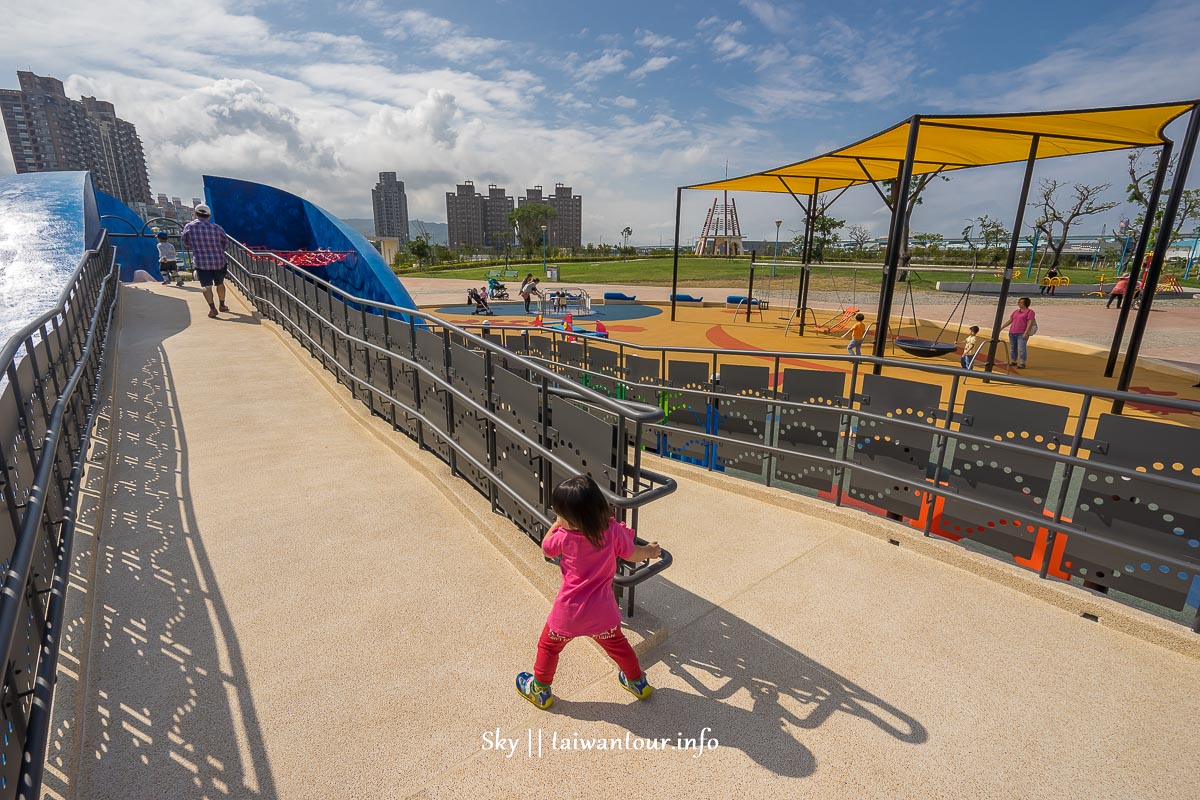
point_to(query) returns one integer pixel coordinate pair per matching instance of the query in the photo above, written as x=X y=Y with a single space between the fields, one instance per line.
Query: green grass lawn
x=720 y=272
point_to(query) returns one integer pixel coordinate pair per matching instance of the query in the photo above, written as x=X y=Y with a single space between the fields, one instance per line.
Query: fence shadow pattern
x=50 y=374
x=1117 y=508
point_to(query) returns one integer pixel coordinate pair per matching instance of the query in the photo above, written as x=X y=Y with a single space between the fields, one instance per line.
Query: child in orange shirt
x=857 y=334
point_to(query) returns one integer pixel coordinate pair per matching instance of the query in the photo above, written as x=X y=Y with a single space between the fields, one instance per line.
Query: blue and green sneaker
x=639 y=688
x=534 y=691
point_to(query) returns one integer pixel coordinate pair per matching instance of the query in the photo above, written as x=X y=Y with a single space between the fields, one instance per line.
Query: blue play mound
x=261 y=216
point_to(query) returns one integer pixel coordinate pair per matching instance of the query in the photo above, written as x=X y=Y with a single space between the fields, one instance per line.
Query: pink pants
x=613 y=641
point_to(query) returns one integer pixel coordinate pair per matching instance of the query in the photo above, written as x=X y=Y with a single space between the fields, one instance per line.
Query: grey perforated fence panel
x=744 y=420
x=811 y=431
x=900 y=451
x=687 y=412
x=644 y=371
x=1020 y=480
x=586 y=442
x=1138 y=513
x=607 y=362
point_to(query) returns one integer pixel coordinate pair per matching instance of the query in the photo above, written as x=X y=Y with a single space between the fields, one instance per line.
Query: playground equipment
x=1099 y=290
x=558 y=301
x=722 y=233
x=930 y=348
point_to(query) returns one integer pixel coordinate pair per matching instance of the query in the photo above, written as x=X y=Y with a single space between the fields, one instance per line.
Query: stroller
x=480 y=300
x=496 y=290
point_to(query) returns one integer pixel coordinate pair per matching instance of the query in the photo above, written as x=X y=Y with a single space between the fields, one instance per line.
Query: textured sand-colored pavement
x=286 y=607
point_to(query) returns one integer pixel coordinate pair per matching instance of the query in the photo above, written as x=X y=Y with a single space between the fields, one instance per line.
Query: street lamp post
x=543 y=250
x=775 y=261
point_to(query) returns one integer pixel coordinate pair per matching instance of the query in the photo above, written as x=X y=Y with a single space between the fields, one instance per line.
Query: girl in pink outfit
x=587 y=540
x=1018 y=336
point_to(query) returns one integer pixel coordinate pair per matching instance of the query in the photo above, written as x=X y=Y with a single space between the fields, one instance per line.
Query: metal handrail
x=551 y=383
x=85 y=294
x=936 y=369
x=920 y=427
x=665 y=485
x=636 y=411
x=1057 y=448
x=37 y=736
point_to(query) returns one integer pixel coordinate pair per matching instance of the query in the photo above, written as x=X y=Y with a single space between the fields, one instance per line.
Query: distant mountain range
x=439 y=232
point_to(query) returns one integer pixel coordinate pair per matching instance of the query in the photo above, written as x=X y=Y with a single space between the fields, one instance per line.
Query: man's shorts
x=208 y=277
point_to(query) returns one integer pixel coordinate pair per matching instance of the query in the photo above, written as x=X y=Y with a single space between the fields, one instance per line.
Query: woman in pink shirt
x=587 y=540
x=1018 y=336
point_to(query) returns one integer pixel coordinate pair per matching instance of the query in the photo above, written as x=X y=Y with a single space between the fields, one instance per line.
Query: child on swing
x=588 y=540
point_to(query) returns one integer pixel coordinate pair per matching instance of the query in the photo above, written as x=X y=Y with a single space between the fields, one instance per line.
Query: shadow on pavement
x=752 y=691
x=167 y=711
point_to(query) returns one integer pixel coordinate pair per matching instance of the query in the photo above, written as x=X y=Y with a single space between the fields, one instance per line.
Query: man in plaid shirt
x=206 y=241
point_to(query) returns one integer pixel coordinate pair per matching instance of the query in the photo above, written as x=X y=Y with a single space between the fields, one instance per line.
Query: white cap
x=203 y=210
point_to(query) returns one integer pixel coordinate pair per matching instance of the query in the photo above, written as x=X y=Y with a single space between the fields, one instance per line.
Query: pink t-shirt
x=1020 y=320
x=586 y=604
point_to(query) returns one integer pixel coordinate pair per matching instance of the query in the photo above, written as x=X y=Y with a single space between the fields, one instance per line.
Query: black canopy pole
x=750 y=288
x=805 y=259
x=1126 y=302
x=806 y=267
x=1006 y=281
x=892 y=260
x=675 y=265
x=1160 y=251
x=808 y=212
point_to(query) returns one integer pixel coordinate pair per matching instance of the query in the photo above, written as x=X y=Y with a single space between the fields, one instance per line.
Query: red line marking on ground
x=721 y=338
x=1151 y=408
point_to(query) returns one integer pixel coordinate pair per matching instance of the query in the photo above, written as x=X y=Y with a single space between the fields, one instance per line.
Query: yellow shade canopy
x=955 y=142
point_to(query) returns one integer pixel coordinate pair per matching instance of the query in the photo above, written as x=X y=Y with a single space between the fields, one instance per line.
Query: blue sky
x=623 y=101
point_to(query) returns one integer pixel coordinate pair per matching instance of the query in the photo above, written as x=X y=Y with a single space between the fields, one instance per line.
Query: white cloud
x=624 y=102
x=775 y=17
x=652 y=41
x=237 y=95
x=1150 y=57
x=607 y=63
x=653 y=64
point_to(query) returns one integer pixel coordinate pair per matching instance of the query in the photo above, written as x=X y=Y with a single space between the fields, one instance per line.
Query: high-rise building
x=49 y=132
x=478 y=221
x=497 y=230
x=391 y=207
x=566 y=229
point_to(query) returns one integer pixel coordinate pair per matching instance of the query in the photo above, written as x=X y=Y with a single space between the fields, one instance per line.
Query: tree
x=825 y=228
x=1055 y=222
x=931 y=243
x=859 y=235
x=917 y=185
x=992 y=236
x=527 y=221
x=1141 y=182
x=419 y=248
x=626 y=232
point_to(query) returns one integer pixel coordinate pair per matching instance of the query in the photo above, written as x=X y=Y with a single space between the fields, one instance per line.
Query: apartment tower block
x=49 y=132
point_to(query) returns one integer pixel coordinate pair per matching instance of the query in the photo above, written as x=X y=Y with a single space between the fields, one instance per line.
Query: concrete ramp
x=285 y=606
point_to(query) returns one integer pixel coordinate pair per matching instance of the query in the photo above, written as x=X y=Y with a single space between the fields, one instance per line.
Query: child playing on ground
x=588 y=541
x=968 y=352
x=168 y=263
x=857 y=334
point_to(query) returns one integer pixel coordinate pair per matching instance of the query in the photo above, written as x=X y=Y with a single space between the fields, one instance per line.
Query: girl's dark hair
x=580 y=502
x=1026 y=301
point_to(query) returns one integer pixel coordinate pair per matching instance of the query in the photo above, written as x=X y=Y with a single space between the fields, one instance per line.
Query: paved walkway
x=1172 y=335
x=285 y=606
